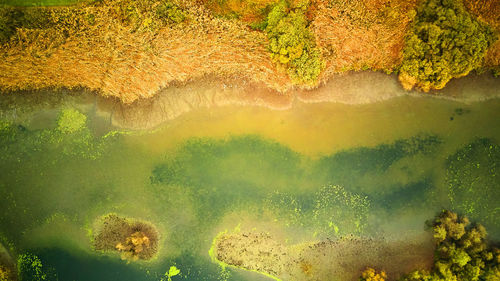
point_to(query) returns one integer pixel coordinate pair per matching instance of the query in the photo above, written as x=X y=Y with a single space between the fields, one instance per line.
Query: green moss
x=472 y=178
x=292 y=45
x=70 y=121
x=444 y=42
x=30 y=268
x=150 y=15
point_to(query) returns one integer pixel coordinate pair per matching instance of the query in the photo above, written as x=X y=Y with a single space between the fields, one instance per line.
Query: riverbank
x=352 y=88
x=355 y=88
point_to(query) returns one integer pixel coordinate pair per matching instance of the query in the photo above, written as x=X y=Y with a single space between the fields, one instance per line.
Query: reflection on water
x=308 y=173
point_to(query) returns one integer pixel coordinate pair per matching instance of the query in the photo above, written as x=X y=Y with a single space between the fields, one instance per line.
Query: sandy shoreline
x=353 y=88
x=175 y=100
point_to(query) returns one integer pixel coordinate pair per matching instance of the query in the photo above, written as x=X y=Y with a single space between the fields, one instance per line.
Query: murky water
x=396 y=163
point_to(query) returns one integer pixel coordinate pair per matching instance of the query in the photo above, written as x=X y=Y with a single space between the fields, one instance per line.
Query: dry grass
x=129 y=65
x=133 y=62
x=361 y=35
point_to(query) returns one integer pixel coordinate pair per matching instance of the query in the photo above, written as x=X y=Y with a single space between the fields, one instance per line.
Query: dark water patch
x=225 y=173
x=79 y=266
x=327 y=196
x=411 y=196
x=349 y=166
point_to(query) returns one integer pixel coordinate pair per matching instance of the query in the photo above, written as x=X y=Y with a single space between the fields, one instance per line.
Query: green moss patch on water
x=473 y=179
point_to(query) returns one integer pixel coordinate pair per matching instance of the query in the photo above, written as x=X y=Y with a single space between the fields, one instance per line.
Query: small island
x=134 y=240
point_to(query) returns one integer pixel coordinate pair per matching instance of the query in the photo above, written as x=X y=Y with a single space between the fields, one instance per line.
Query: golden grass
x=110 y=58
x=361 y=35
x=135 y=61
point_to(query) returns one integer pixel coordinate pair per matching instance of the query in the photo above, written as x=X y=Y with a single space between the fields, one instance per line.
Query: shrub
x=462 y=252
x=444 y=42
x=371 y=274
x=9 y=20
x=291 y=43
x=4 y=273
x=169 y=12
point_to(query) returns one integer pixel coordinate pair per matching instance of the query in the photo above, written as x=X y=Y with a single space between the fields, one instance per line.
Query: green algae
x=472 y=176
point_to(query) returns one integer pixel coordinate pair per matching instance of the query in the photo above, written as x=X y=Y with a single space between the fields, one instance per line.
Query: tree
x=291 y=43
x=371 y=274
x=462 y=252
x=444 y=42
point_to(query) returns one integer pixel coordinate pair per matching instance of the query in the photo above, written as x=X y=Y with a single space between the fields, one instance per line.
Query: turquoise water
x=314 y=172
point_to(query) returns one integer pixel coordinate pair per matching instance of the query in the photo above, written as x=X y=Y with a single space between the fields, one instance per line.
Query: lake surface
x=396 y=163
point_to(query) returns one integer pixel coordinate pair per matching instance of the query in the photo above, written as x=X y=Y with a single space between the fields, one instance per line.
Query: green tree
x=462 y=252
x=444 y=42
x=291 y=44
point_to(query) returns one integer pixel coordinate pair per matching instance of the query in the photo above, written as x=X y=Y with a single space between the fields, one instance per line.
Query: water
x=308 y=173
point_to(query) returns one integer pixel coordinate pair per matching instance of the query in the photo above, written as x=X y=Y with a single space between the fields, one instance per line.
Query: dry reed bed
x=112 y=59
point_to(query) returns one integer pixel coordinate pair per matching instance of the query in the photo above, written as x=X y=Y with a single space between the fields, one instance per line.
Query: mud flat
x=343 y=259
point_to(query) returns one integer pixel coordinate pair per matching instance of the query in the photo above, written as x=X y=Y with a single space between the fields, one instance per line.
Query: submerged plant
x=71 y=121
x=30 y=268
x=173 y=271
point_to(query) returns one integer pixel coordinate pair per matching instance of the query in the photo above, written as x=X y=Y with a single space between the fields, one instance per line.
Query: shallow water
x=395 y=164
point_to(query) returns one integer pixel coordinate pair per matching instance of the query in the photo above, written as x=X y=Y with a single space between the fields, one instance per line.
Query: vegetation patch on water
x=132 y=239
x=472 y=177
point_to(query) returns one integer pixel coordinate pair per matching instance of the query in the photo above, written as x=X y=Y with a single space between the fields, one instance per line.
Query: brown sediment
x=132 y=239
x=343 y=259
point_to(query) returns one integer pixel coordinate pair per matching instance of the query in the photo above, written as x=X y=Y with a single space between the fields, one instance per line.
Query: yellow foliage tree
x=371 y=274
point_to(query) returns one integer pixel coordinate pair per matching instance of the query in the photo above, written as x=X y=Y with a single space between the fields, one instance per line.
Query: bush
x=5 y=274
x=462 y=252
x=371 y=274
x=291 y=43
x=169 y=12
x=9 y=21
x=444 y=42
